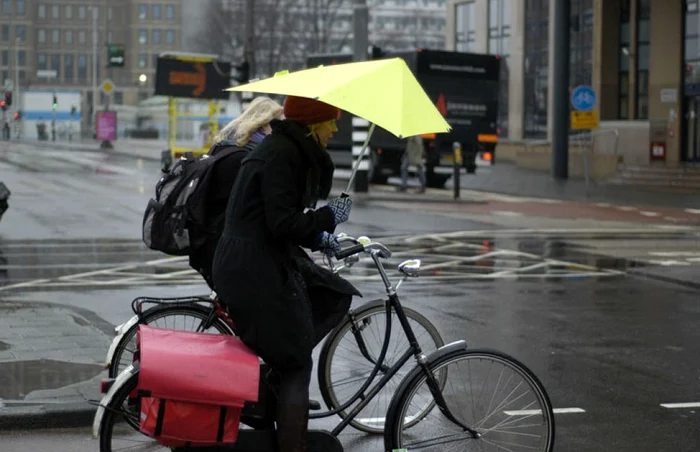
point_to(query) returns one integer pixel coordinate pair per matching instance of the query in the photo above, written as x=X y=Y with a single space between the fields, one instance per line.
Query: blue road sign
x=583 y=98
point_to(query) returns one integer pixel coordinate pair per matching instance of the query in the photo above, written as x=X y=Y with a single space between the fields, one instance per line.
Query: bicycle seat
x=410 y=268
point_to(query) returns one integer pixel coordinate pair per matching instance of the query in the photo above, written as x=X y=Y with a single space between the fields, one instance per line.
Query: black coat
x=260 y=271
x=224 y=174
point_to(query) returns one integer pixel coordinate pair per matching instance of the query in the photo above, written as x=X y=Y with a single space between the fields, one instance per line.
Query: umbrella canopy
x=384 y=92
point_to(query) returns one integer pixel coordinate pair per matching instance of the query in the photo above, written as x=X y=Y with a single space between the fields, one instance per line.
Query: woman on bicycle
x=235 y=140
x=280 y=301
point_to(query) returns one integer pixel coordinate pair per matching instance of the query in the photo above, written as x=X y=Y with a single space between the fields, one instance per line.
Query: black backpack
x=175 y=221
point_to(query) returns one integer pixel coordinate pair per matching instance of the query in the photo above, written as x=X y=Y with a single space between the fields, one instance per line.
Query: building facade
x=48 y=44
x=654 y=109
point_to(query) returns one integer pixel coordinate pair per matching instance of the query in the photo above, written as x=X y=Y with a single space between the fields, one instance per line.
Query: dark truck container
x=463 y=86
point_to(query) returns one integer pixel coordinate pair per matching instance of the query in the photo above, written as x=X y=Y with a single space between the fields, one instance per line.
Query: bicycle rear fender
x=121 y=331
x=120 y=381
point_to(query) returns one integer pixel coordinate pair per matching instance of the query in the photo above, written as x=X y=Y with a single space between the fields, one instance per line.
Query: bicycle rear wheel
x=343 y=369
x=486 y=390
x=177 y=317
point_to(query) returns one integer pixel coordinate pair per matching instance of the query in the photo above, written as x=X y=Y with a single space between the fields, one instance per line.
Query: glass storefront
x=691 y=108
x=536 y=76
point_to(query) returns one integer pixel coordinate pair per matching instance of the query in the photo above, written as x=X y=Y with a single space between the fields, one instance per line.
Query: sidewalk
x=51 y=362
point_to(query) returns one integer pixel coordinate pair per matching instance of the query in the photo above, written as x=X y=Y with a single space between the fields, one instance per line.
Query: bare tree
x=285 y=32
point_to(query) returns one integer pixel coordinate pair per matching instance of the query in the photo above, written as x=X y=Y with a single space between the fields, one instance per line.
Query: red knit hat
x=308 y=111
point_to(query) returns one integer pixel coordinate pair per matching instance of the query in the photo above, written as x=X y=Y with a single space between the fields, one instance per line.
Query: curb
x=106 y=151
x=60 y=415
x=664 y=278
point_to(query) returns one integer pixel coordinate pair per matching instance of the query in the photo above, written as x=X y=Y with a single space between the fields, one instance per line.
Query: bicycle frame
x=377 y=251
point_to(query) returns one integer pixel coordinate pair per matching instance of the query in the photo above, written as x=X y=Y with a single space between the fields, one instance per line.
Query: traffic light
x=55 y=102
x=8 y=98
x=73 y=110
x=17 y=115
x=3 y=105
x=243 y=72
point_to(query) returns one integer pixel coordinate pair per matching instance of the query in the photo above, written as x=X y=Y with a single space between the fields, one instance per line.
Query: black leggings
x=329 y=308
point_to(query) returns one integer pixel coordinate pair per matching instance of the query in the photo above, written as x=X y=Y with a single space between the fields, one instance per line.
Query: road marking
x=627 y=208
x=695 y=211
x=603 y=204
x=506 y=213
x=681 y=405
x=650 y=214
x=556 y=411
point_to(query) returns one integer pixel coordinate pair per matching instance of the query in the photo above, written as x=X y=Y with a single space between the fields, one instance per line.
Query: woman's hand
x=341 y=208
x=328 y=244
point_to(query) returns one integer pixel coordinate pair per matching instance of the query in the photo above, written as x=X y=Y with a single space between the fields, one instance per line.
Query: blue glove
x=328 y=244
x=341 y=209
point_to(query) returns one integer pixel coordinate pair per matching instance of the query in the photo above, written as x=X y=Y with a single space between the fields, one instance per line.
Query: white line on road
x=696 y=211
x=650 y=214
x=556 y=411
x=681 y=405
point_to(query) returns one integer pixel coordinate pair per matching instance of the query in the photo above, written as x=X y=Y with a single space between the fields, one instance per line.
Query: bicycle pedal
x=314 y=405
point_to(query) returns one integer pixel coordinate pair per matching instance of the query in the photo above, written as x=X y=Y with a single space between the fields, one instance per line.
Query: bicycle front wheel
x=343 y=368
x=488 y=391
x=176 y=317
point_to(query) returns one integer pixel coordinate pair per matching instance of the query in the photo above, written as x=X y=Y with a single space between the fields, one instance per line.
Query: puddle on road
x=19 y=378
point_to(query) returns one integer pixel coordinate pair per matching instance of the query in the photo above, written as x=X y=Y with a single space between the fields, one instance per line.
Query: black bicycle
x=346 y=359
x=453 y=399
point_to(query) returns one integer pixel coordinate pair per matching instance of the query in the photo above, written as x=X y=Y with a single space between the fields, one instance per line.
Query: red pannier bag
x=194 y=385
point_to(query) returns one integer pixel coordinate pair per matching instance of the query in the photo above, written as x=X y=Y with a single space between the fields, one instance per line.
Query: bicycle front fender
x=121 y=331
x=121 y=379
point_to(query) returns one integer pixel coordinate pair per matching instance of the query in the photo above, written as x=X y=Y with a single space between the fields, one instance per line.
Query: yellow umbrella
x=384 y=92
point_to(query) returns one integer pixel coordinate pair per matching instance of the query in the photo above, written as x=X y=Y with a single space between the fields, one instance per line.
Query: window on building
x=56 y=64
x=643 y=24
x=143 y=12
x=41 y=36
x=5 y=32
x=110 y=14
x=169 y=37
x=536 y=83
x=581 y=43
x=7 y=6
x=41 y=61
x=156 y=37
x=68 y=37
x=21 y=8
x=41 y=11
x=21 y=32
x=625 y=52
x=22 y=58
x=82 y=67
x=692 y=36
x=499 y=44
x=465 y=27
x=55 y=36
x=143 y=37
x=68 y=12
x=68 y=68
x=56 y=12
x=157 y=12
x=169 y=12
x=118 y=98
x=82 y=37
x=5 y=57
x=143 y=60
x=81 y=12
x=110 y=36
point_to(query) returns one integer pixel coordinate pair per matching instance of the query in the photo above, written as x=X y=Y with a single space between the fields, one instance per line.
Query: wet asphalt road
x=611 y=345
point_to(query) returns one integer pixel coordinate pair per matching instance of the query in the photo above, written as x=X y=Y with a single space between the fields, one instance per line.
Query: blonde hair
x=260 y=112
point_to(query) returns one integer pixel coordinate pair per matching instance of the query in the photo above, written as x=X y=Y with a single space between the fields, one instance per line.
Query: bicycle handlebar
x=363 y=244
x=347 y=252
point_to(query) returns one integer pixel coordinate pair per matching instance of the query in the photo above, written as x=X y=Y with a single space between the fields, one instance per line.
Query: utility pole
x=248 y=52
x=561 y=117
x=16 y=95
x=94 y=68
x=360 y=126
x=106 y=144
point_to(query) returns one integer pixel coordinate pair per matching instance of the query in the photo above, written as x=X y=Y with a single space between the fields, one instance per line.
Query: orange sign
x=197 y=79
